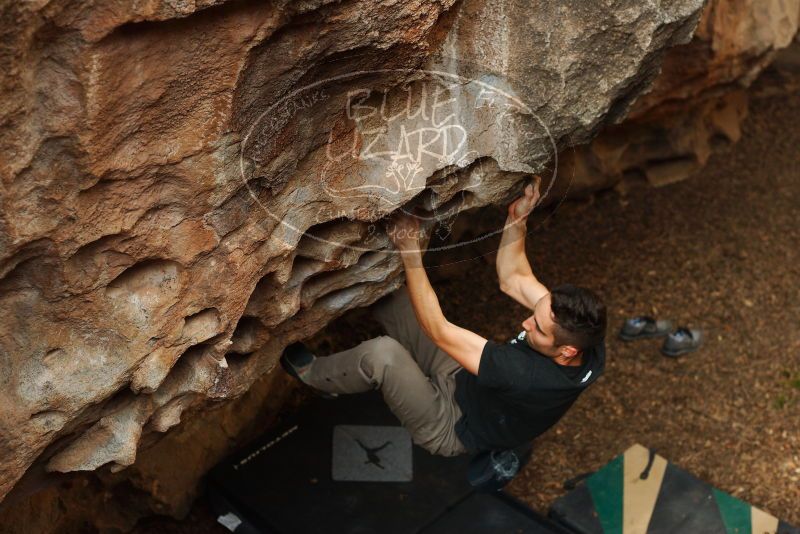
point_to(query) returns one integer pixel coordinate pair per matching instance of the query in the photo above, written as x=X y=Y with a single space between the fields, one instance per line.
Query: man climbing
x=452 y=389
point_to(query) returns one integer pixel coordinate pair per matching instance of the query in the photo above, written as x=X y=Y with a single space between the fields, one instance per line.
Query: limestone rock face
x=698 y=100
x=187 y=187
x=733 y=43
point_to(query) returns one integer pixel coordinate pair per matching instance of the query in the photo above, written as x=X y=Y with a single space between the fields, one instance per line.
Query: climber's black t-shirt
x=518 y=393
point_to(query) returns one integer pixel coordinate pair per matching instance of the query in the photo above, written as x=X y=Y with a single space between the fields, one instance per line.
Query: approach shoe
x=644 y=327
x=681 y=341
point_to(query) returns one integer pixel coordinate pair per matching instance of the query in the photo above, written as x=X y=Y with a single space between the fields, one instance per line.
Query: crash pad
x=309 y=474
x=641 y=492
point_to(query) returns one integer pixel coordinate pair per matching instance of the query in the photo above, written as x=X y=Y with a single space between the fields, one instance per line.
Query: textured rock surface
x=142 y=279
x=698 y=99
x=142 y=282
x=734 y=41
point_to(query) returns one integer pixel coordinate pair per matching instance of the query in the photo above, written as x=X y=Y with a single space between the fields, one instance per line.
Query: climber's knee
x=382 y=353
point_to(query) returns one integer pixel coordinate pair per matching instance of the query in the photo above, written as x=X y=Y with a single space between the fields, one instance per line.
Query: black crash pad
x=283 y=484
x=485 y=513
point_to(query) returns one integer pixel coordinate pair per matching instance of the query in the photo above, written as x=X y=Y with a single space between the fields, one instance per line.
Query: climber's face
x=540 y=326
x=540 y=332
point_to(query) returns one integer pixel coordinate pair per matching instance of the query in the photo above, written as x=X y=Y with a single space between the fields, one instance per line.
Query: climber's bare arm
x=513 y=269
x=461 y=344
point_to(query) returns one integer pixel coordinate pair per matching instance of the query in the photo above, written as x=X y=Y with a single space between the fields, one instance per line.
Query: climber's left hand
x=404 y=231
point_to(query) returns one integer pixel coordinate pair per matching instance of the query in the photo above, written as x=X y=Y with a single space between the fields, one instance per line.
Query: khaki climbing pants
x=416 y=378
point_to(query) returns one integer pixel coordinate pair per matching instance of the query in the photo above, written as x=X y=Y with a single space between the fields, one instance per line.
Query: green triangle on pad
x=606 y=487
x=735 y=513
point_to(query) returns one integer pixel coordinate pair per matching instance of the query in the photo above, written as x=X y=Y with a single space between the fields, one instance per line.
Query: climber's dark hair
x=580 y=316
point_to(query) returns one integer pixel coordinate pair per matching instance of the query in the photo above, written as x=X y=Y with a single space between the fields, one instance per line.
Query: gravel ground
x=720 y=252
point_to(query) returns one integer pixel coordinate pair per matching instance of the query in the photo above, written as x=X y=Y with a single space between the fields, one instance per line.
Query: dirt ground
x=721 y=252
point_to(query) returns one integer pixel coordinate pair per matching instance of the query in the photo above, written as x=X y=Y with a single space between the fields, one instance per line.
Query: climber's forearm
x=423 y=297
x=463 y=345
x=511 y=258
x=514 y=271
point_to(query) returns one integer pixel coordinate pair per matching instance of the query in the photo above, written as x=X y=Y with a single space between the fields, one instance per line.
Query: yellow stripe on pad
x=639 y=496
x=762 y=523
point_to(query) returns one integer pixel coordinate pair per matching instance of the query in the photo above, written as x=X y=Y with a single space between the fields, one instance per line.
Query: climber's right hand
x=404 y=231
x=522 y=206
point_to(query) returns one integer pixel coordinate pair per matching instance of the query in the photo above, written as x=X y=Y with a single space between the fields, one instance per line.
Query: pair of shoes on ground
x=677 y=342
x=296 y=360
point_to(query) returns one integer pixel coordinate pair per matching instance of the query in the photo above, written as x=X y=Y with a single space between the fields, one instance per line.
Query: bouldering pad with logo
x=371 y=453
x=286 y=482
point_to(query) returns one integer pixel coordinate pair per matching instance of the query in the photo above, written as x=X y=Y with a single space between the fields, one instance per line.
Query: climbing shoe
x=296 y=360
